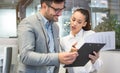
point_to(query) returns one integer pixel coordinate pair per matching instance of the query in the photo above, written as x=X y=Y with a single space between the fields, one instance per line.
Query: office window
x=8 y=26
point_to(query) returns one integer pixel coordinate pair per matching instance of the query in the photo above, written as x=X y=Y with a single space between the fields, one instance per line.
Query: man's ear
x=43 y=5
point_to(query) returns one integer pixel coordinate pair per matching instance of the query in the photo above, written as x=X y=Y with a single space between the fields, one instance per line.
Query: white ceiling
x=8 y=3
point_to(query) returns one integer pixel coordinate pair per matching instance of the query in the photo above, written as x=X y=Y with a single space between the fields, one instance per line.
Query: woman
x=80 y=29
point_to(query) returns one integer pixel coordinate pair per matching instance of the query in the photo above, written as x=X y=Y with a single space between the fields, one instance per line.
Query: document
x=102 y=37
x=84 y=52
x=98 y=41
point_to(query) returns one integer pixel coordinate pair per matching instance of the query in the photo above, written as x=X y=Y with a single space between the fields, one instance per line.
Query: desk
x=111 y=62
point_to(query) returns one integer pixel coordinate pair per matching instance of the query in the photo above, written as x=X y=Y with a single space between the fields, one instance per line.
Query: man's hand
x=67 y=57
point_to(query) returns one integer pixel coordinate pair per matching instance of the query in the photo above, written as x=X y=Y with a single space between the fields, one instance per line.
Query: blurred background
x=105 y=16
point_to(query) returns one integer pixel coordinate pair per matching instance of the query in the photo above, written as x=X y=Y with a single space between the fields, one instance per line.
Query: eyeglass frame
x=57 y=10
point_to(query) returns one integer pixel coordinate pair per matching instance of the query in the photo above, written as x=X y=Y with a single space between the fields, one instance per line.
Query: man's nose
x=59 y=13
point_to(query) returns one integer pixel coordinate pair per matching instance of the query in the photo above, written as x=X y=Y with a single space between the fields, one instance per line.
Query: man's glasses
x=57 y=10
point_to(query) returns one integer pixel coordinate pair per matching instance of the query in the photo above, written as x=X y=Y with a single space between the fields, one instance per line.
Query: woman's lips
x=73 y=27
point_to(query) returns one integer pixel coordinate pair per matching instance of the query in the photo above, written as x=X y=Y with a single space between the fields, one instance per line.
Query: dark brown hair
x=50 y=1
x=87 y=17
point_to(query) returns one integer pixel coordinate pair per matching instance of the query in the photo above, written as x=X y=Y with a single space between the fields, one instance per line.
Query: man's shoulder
x=30 y=20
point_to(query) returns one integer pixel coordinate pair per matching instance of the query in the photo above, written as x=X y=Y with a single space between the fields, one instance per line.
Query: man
x=39 y=40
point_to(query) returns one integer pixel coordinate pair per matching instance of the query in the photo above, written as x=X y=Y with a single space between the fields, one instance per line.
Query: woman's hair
x=87 y=17
x=50 y=1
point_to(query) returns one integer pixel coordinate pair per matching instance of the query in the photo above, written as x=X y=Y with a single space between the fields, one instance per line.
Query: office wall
x=111 y=60
x=8 y=23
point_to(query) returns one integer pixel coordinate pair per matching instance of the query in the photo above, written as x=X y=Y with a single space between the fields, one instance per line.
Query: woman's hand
x=93 y=57
x=73 y=48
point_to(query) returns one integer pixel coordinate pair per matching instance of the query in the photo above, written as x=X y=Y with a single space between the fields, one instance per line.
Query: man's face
x=53 y=11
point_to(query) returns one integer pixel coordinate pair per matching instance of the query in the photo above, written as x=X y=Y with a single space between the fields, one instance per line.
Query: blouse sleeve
x=97 y=65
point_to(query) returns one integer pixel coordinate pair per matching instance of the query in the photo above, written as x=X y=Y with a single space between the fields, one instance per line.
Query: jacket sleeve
x=28 y=54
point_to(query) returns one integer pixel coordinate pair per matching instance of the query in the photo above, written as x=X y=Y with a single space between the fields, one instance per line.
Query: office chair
x=7 y=60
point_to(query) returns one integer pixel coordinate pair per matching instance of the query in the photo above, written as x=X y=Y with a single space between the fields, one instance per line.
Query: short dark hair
x=85 y=12
x=50 y=1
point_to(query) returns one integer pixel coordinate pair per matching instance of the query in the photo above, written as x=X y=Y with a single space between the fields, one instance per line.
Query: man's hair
x=50 y=1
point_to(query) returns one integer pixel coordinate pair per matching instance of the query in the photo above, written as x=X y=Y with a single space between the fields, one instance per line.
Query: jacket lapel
x=55 y=37
x=43 y=29
x=55 y=33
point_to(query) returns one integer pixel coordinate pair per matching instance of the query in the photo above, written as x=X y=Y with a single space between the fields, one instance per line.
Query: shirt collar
x=45 y=21
x=80 y=33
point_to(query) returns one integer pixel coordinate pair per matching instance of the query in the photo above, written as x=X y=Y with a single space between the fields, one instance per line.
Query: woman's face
x=77 y=21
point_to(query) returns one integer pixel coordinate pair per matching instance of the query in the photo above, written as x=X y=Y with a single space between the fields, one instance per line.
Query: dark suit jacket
x=34 y=55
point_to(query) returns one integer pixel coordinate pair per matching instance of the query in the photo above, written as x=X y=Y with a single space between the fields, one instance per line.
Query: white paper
x=103 y=37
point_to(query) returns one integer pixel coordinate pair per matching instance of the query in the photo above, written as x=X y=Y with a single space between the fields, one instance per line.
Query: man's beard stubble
x=51 y=17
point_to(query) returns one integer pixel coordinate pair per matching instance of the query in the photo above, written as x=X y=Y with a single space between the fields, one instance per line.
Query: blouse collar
x=80 y=33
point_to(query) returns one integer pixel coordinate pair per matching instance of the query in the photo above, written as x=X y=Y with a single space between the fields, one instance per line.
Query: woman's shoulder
x=89 y=32
x=65 y=37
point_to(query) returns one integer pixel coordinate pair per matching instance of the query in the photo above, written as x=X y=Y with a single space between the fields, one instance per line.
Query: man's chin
x=56 y=19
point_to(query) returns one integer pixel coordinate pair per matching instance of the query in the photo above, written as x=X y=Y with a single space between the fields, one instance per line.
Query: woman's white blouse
x=66 y=44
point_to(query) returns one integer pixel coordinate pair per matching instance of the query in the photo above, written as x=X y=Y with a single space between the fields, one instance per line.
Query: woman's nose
x=74 y=23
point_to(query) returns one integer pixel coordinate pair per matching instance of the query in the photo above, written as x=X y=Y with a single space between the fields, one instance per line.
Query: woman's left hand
x=93 y=57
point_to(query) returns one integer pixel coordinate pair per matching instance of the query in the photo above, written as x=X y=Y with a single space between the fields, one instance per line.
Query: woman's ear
x=85 y=24
x=70 y=19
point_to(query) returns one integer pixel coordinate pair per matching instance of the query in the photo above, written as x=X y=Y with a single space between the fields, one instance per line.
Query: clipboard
x=84 y=52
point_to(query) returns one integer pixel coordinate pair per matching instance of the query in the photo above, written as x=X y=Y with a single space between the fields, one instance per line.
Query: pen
x=73 y=49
